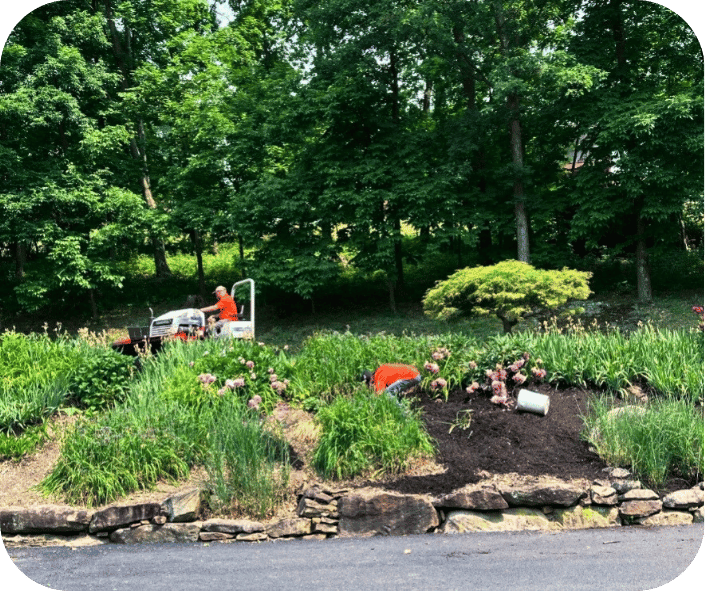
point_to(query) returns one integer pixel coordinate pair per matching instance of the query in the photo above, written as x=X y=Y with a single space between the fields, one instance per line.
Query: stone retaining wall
x=323 y=512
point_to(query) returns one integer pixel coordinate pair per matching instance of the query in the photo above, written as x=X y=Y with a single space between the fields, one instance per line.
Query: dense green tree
x=640 y=131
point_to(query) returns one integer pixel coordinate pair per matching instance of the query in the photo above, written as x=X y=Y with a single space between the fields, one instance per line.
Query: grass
x=661 y=440
x=366 y=432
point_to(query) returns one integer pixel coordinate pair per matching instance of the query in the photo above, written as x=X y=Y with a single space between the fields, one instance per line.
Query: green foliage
x=15 y=447
x=248 y=466
x=102 y=379
x=367 y=432
x=656 y=442
x=511 y=290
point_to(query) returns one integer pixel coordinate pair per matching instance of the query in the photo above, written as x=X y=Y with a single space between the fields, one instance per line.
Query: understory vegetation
x=208 y=404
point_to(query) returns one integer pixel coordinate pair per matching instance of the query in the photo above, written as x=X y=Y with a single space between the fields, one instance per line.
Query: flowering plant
x=699 y=311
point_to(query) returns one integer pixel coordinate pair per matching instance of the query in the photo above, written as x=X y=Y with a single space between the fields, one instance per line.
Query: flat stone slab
x=559 y=494
x=232 y=526
x=684 y=499
x=47 y=519
x=154 y=534
x=185 y=506
x=116 y=517
x=290 y=527
x=474 y=499
x=589 y=517
x=49 y=540
x=667 y=518
x=461 y=521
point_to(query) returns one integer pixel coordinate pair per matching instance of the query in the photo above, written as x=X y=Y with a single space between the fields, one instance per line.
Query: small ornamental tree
x=511 y=289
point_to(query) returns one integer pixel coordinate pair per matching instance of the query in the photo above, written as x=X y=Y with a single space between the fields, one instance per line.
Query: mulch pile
x=502 y=441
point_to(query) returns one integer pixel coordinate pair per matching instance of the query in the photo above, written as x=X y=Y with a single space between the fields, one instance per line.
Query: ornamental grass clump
x=661 y=440
x=365 y=433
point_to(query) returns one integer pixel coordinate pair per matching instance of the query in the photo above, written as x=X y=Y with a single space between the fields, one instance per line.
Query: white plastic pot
x=529 y=401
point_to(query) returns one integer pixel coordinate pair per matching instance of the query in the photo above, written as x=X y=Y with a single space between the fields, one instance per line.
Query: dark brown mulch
x=504 y=441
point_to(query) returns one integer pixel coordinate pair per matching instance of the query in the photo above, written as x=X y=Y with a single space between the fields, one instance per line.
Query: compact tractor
x=187 y=324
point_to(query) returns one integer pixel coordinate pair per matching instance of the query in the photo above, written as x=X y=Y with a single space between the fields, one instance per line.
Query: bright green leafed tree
x=511 y=290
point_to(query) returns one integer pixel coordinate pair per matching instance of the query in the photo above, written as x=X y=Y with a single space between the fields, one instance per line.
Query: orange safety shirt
x=228 y=308
x=387 y=374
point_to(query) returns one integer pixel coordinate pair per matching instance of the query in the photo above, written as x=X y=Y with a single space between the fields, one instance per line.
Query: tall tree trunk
x=522 y=220
x=125 y=61
x=243 y=271
x=198 y=248
x=20 y=259
x=643 y=273
x=392 y=298
x=516 y=148
x=94 y=306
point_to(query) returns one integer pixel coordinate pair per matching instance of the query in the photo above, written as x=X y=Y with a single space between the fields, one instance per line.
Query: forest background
x=343 y=150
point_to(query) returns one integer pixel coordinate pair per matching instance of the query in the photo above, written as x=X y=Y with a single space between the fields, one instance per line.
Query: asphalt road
x=621 y=558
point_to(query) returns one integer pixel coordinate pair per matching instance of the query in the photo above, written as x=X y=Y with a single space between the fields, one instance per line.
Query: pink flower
x=207 y=378
x=698 y=309
x=278 y=386
x=238 y=382
x=538 y=373
x=499 y=389
x=432 y=367
x=255 y=401
x=230 y=384
x=253 y=376
x=502 y=400
x=472 y=387
x=273 y=377
x=437 y=355
x=222 y=391
x=270 y=370
x=250 y=364
x=519 y=378
x=439 y=383
x=472 y=365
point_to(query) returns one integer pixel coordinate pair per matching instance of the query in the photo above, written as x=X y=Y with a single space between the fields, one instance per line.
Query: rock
x=560 y=494
x=152 y=534
x=232 y=526
x=316 y=494
x=459 y=522
x=159 y=519
x=630 y=511
x=698 y=515
x=684 y=499
x=622 y=486
x=289 y=527
x=44 y=519
x=603 y=495
x=639 y=494
x=587 y=517
x=475 y=499
x=116 y=517
x=371 y=512
x=617 y=473
x=47 y=540
x=311 y=508
x=254 y=537
x=185 y=506
x=667 y=518
x=214 y=536
x=320 y=527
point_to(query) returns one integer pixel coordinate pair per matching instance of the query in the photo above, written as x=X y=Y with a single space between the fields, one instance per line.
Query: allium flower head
x=255 y=401
x=432 y=367
x=472 y=365
x=250 y=364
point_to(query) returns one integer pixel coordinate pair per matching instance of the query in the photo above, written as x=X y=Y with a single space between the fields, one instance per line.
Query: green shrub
x=661 y=440
x=101 y=379
x=366 y=432
x=15 y=447
x=511 y=290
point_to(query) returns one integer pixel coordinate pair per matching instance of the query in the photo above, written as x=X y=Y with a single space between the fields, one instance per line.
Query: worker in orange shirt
x=226 y=307
x=393 y=378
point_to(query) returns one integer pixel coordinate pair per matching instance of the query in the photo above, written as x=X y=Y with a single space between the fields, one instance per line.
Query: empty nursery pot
x=529 y=401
